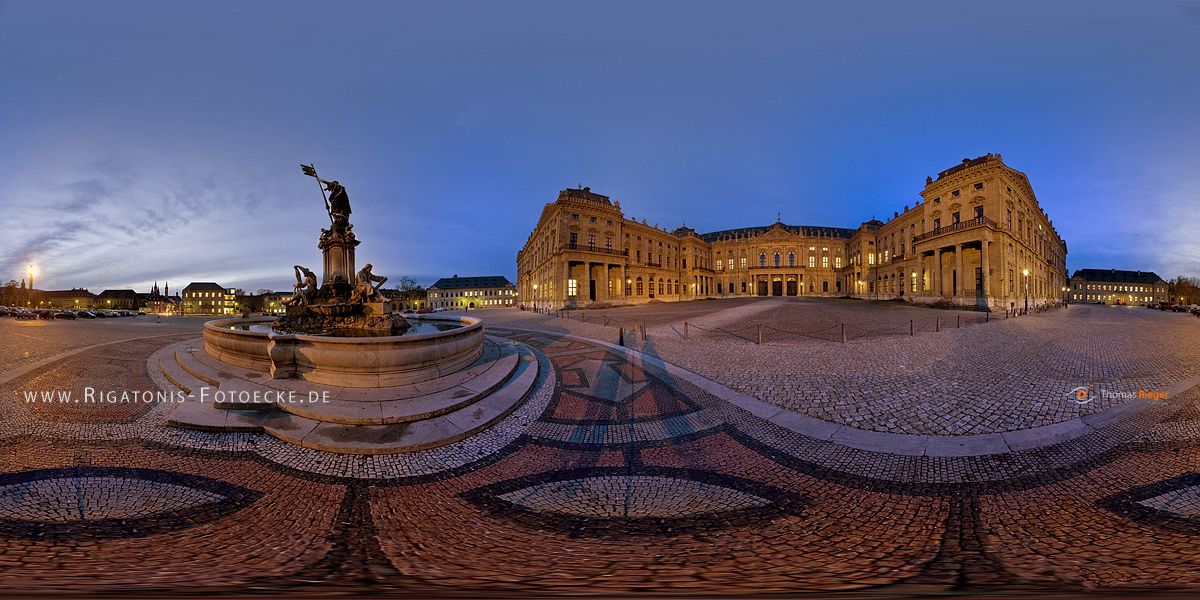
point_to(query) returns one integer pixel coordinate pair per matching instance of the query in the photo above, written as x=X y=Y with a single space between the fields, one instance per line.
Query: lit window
x=837 y=262
x=871 y=258
x=812 y=262
x=824 y=262
x=572 y=287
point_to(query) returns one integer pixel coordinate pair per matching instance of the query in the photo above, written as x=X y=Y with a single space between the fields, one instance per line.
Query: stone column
x=937 y=272
x=921 y=265
x=984 y=277
x=958 y=270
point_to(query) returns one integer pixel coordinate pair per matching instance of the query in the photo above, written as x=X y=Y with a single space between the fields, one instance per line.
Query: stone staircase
x=225 y=398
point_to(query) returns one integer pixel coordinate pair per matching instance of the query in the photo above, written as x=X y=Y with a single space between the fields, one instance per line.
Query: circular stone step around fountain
x=225 y=398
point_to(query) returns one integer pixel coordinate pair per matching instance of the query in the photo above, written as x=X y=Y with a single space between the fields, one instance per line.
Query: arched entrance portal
x=777 y=287
x=791 y=286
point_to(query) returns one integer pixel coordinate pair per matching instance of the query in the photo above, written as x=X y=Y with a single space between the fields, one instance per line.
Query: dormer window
x=979 y=186
x=955 y=193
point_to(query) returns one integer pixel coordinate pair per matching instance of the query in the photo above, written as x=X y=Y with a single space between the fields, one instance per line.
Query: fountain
x=386 y=384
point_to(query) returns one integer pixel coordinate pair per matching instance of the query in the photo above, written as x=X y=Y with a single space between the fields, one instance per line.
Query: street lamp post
x=1026 y=273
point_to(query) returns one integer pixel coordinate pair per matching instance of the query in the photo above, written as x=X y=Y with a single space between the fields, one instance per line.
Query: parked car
x=424 y=311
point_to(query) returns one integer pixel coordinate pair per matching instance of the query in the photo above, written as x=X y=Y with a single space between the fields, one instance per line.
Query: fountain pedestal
x=337 y=250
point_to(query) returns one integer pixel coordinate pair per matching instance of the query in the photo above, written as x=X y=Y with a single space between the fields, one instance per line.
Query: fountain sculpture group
x=383 y=386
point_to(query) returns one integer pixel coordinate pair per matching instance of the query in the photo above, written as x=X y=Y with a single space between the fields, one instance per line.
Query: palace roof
x=804 y=230
x=457 y=283
x=1117 y=276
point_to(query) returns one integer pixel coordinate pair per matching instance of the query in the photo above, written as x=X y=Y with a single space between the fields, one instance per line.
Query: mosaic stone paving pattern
x=613 y=477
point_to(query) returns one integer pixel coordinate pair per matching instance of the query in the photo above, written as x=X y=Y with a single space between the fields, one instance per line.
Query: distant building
x=208 y=298
x=73 y=298
x=274 y=303
x=467 y=293
x=1113 y=286
x=158 y=302
x=117 y=300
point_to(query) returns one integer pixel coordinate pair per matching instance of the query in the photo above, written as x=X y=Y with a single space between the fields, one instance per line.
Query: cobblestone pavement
x=1003 y=375
x=613 y=477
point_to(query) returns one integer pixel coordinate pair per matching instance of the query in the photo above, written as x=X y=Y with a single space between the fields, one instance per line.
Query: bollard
x=912 y=328
x=685 y=330
x=959 y=324
x=760 y=334
x=987 y=316
x=621 y=337
x=937 y=324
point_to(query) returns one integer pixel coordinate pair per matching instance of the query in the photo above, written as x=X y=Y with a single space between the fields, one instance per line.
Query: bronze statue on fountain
x=340 y=303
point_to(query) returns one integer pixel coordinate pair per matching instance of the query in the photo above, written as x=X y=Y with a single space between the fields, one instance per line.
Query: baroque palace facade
x=977 y=237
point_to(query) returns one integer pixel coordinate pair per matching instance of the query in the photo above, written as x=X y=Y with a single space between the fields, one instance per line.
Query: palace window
x=574 y=239
x=871 y=258
x=608 y=243
x=812 y=262
x=574 y=216
x=730 y=263
x=824 y=262
x=914 y=281
x=776 y=259
x=955 y=193
x=639 y=286
x=591 y=242
x=979 y=212
x=719 y=265
x=979 y=186
x=743 y=262
x=954 y=217
x=837 y=262
x=937 y=224
x=762 y=259
x=572 y=287
x=791 y=259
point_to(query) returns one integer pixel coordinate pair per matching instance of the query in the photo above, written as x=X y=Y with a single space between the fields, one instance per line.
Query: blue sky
x=144 y=141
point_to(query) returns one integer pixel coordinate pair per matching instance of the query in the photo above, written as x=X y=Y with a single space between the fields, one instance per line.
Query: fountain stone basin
x=355 y=361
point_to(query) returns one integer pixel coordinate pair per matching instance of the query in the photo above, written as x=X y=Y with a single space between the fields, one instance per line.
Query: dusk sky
x=144 y=141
